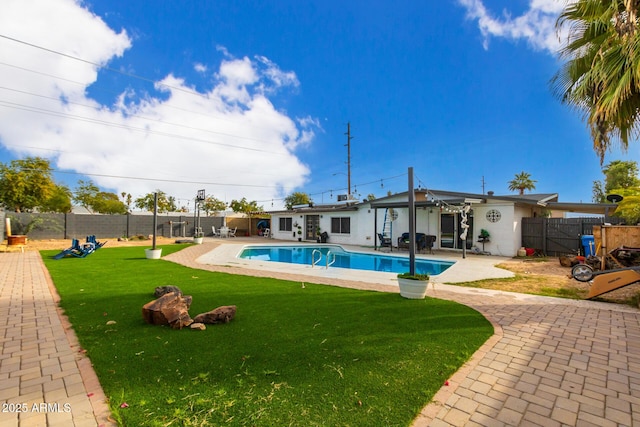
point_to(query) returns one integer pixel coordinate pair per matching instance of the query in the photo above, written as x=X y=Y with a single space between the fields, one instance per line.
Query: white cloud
x=537 y=25
x=201 y=68
x=231 y=140
x=278 y=77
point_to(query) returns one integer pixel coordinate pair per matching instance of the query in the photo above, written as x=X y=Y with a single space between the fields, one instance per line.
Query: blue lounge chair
x=80 y=250
x=92 y=239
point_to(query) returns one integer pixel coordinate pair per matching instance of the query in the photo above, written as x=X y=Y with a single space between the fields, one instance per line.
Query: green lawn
x=294 y=355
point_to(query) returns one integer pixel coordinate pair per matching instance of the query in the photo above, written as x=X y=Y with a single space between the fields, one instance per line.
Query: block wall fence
x=70 y=226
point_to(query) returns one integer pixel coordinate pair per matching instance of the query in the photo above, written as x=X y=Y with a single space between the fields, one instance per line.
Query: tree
x=297 y=198
x=85 y=193
x=89 y=196
x=599 y=195
x=59 y=201
x=601 y=77
x=211 y=205
x=521 y=182
x=244 y=206
x=108 y=203
x=126 y=198
x=619 y=175
x=629 y=207
x=25 y=184
x=165 y=203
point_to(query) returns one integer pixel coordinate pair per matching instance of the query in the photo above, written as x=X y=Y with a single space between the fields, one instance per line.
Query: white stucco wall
x=505 y=234
x=502 y=239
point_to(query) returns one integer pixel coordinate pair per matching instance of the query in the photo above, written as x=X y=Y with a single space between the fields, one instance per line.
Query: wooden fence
x=610 y=237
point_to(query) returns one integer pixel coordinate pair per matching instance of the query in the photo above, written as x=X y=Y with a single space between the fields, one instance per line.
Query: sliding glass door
x=451 y=228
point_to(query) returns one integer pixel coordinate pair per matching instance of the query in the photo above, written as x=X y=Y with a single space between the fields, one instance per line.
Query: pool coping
x=472 y=267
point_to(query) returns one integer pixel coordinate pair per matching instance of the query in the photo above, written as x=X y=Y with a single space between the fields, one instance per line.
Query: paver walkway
x=552 y=361
x=44 y=378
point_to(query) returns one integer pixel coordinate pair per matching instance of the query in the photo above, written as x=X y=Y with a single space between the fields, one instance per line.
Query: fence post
x=545 y=225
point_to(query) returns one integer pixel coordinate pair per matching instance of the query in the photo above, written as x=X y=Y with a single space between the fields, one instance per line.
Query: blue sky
x=252 y=99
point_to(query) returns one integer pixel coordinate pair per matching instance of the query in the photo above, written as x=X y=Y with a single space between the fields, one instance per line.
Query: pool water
x=343 y=259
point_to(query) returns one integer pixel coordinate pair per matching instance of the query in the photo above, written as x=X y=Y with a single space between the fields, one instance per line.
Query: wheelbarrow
x=607 y=280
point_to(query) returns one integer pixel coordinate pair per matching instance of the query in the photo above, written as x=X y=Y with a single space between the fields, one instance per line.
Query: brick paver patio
x=44 y=378
x=551 y=362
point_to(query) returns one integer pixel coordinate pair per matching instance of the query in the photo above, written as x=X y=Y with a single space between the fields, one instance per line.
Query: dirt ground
x=544 y=276
x=547 y=276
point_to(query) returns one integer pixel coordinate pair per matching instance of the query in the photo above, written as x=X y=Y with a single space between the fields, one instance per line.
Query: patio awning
x=421 y=204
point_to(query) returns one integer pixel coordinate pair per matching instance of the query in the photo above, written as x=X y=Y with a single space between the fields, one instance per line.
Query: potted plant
x=299 y=232
x=318 y=234
x=198 y=237
x=413 y=286
x=484 y=237
x=22 y=229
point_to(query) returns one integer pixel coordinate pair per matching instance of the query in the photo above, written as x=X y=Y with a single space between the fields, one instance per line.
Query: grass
x=294 y=355
x=527 y=284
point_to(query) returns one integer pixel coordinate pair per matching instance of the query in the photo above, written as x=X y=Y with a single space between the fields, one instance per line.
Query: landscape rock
x=223 y=314
x=198 y=326
x=170 y=309
x=568 y=261
x=162 y=290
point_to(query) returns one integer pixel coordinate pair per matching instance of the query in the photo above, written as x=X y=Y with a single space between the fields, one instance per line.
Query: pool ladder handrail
x=313 y=260
x=332 y=261
x=327 y=264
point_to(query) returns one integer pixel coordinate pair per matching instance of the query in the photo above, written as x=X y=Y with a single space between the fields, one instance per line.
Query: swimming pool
x=343 y=258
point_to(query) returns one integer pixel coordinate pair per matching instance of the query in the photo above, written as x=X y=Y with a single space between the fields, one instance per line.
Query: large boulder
x=162 y=290
x=222 y=314
x=170 y=309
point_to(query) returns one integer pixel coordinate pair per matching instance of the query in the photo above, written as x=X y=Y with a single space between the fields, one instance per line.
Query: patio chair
x=232 y=233
x=385 y=242
x=92 y=239
x=266 y=233
x=77 y=250
x=421 y=241
x=216 y=233
x=430 y=240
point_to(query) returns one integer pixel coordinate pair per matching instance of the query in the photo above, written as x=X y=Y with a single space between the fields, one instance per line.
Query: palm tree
x=602 y=74
x=521 y=182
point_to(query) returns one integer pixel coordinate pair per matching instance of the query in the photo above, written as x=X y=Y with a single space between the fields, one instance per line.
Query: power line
x=131 y=75
x=161 y=179
x=135 y=115
x=23 y=107
x=99 y=66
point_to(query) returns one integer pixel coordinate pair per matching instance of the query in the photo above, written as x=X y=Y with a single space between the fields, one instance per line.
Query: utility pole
x=348 y=144
x=483 y=183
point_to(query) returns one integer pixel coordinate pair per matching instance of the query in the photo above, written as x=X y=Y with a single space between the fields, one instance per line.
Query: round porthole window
x=493 y=215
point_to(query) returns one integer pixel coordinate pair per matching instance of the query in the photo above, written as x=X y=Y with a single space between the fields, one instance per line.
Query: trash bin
x=589 y=245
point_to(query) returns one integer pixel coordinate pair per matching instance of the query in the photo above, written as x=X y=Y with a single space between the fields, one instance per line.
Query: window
x=285 y=224
x=341 y=225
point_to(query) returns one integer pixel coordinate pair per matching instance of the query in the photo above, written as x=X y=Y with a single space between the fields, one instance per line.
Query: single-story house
x=437 y=213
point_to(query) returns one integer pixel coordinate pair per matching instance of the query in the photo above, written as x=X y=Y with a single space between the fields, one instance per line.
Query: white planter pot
x=413 y=289
x=198 y=240
x=153 y=253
